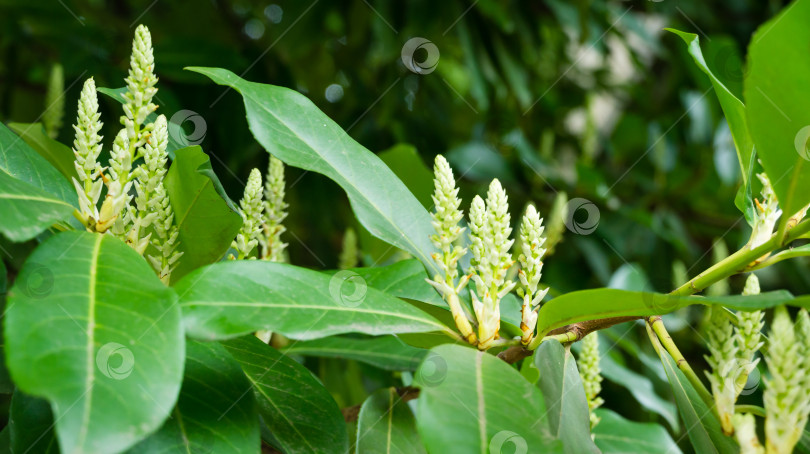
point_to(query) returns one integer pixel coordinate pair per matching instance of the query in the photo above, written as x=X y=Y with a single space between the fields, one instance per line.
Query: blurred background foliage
x=590 y=98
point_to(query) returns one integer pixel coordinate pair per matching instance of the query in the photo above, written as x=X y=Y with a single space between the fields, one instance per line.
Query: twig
x=406 y=393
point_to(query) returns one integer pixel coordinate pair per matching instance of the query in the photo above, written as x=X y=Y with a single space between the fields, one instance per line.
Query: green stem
x=660 y=330
x=755 y=410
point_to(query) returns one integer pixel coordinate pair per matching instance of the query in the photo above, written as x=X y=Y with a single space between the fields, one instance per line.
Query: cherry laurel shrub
x=153 y=314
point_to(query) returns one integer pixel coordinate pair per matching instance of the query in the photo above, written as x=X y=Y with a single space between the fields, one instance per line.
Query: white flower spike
x=86 y=148
x=272 y=248
x=251 y=208
x=531 y=263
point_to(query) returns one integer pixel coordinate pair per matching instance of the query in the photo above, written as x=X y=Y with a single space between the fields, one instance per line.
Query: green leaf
x=605 y=303
x=297 y=409
x=90 y=328
x=31 y=425
x=701 y=424
x=290 y=127
x=385 y=352
x=232 y=298
x=33 y=194
x=776 y=88
x=473 y=402
x=616 y=435
x=732 y=107
x=212 y=413
x=57 y=154
x=206 y=218
x=565 y=398
x=386 y=425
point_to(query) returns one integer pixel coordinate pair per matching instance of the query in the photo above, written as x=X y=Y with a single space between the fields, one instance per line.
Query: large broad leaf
x=732 y=107
x=232 y=298
x=606 y=303
x=565 y=398
x=386 y=425
x=90 y=328
x=385 y=352
x=58 y=154
x=296 y=407
x=776 y=88
x=33 y=194
x=473 y=402
x=699 y=420
x=291 y=128
x=31 y=425
x=205 y=217
x=617 y=435
x=213 y=414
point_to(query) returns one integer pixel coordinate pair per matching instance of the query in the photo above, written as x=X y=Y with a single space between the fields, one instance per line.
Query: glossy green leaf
x=386 y=425
x=700 y=422
x=60 y=156
x=385 y=352
x=775 y=88
x=732 y=107
x=565 y=398
x=90 y=328
x=616 y=435
x=31 y=425
x=232 y=298
x=33 y=194
x=605 y=303
x=473 y=402
x=296 y=407
x=291 y=128
x=212 y=413
x=205 y=217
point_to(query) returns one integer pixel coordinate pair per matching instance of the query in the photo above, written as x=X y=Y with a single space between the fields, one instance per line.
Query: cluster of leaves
x=103 y=357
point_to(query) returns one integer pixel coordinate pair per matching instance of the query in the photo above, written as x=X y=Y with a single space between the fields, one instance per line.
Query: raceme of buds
x=54 y=102
x=745 y=430
x=766 y=214
x=786 y=396
x=140 y=86
x=489 y=236
x=723 y=363
x=349 y=252
x=445 y=222
x=531 y=245
x=251 y=208
x=118 y=185
x=748 y=333
x=591 y=374
x=272 y=248
x=86 y=148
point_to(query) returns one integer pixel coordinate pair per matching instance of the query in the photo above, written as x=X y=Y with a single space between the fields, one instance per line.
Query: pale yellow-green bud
x=749 y=334
x=86 y=148
x=531 y=266
x=723 y=364
x=251 y=210
x=745 y=430
x=54 y=102
x=591 y=374
x=275 y=208
x=766 y=214
x=349 y=253
x=140 y=86
x=786 y=394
